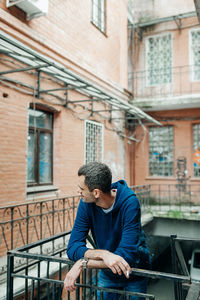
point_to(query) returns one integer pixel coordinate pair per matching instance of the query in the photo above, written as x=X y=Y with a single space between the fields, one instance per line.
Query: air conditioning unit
x=32 y=8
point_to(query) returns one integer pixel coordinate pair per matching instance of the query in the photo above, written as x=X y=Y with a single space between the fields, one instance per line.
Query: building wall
x=67 y=31
x=180 y=42
x=67 y=36
x=182 y=121
x=176 y=103
x=146 y=10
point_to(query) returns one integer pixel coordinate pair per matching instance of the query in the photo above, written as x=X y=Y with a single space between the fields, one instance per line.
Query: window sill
x=194 y=178
x=160 y=178
x=42 y=192
x=99 y=29
x=40 y=189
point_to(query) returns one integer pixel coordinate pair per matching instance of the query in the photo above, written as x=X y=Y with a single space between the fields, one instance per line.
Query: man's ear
x=96 y=193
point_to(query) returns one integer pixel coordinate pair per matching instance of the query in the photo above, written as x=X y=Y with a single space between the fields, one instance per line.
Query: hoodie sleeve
x=77 y=242
x=128 y=246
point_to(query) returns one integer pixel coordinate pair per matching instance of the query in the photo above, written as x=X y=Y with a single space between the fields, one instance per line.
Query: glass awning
x=33 y=60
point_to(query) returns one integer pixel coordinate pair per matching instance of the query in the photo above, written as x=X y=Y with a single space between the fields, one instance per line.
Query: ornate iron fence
x=25 y=223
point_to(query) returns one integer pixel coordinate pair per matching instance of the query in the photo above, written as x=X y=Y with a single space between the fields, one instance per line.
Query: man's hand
x=116 y=263
x=71 y=276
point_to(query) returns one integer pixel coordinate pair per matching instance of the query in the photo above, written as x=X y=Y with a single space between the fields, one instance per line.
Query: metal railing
x=41 y=276
x=182 y=80
x=175 y=200
x=179 y=266
x=25 y=223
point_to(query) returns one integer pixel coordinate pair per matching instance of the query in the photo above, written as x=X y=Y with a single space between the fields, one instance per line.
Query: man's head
x=97 y=176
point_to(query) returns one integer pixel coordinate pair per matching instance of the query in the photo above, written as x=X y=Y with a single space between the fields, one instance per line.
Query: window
x=196 y=148
x=98 y=14
x=159 y=59
x=161 y=151
x=40 y=138
x=93 y=141
x=195 y=54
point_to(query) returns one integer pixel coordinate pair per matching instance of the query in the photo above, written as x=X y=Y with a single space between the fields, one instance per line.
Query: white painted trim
x=191 y=57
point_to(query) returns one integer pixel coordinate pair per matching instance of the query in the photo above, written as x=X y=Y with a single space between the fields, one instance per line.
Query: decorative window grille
x=40 y=140
x=196 y=149
x=161 y=145
x=93 y=141
x=98 y=14
x=159 y=60
x=195 y=54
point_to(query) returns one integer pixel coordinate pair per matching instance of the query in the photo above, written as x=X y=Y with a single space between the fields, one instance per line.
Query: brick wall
x=67 y=36
x=182 y=122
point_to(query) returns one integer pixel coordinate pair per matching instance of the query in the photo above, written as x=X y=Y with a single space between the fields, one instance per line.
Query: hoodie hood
x=123 y=193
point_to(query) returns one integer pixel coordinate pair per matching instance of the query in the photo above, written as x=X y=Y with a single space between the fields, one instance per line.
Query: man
x=112 y=213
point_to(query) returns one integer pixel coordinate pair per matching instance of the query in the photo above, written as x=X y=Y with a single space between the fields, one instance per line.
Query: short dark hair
x=97 y=176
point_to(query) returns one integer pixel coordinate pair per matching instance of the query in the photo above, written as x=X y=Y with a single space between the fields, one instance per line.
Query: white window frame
x=99 y=20
x=102 y=139
x=146 y=57
x=191 y=57
x=159 y=149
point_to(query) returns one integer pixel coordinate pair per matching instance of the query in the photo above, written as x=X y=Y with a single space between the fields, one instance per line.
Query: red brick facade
x=67 y=36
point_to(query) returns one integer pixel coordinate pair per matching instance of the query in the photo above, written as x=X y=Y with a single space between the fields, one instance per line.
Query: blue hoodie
x=118 y=231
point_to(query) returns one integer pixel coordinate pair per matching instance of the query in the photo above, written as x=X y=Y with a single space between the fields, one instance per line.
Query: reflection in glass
x=45 y=158
x=31 y=157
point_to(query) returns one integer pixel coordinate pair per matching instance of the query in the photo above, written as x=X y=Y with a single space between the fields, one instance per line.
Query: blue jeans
x=139 y=286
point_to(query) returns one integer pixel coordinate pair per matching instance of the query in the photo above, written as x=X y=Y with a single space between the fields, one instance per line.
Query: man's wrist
x=96 y=254
x=84 y=262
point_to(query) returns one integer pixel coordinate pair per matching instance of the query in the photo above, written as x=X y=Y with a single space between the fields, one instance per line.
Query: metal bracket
x=178 y=22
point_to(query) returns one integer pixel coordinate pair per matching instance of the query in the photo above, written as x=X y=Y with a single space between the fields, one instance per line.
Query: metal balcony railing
x=176 y=81
x=172 y=200
x=28 y=222
x=25 y=223
x=41 y=276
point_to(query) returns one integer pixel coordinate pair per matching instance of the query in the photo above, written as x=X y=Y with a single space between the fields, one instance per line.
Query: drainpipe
x=197 y=6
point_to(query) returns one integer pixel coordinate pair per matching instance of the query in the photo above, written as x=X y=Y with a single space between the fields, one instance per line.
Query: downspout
x=197 y=6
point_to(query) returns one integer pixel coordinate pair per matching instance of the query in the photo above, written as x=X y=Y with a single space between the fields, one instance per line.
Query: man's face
x=83 y=190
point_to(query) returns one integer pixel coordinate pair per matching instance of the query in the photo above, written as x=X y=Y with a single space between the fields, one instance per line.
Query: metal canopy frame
x=163 y=20
x=34 y=61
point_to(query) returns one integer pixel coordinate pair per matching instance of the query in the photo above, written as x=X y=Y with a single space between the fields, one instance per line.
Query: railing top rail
x=77 y=196
x=38 y=201
x=185 y=239
x=40 y=257
x=136 y=271
x=164 y=69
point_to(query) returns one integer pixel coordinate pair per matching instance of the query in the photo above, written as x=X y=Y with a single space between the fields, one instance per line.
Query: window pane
x=195 y=40
x=98 y=15
x=95 y=12
x=196 y=149
x=45 y=160
x=31 y=157
x=39 y=161
x=161 y=158
x=159 y=60
x=40 y=119
x=93 y=141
